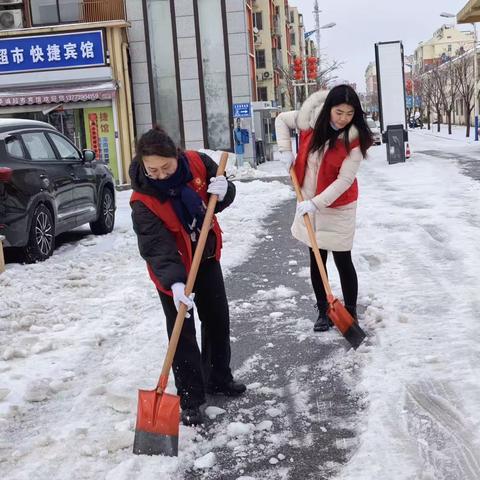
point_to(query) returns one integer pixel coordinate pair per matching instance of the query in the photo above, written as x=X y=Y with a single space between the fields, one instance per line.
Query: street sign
x=241 y=110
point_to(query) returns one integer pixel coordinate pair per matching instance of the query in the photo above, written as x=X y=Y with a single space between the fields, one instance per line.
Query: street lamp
x=475 y=70
x=316 y=12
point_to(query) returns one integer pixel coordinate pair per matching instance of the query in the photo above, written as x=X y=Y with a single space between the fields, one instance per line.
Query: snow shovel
x=158 y=413
x=338 y=314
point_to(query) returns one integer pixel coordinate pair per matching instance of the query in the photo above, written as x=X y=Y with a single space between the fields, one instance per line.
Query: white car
x=375 y=129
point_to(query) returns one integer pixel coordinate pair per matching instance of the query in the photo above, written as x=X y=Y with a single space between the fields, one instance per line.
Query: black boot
x=352 y=310
x=192 y=416
x=323 y=323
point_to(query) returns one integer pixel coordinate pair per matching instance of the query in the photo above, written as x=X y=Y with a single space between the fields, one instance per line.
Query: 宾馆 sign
x=241 y=110
x=52 y=52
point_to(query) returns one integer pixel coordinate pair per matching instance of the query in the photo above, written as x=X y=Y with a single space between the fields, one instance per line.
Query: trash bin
x=395 y=141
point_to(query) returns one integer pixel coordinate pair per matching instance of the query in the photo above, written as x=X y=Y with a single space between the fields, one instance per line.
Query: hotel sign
x=52 y=52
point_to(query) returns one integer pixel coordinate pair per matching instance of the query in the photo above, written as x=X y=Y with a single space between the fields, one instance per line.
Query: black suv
x=47 y=186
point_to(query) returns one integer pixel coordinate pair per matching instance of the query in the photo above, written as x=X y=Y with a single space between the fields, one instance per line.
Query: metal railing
x=102 y=10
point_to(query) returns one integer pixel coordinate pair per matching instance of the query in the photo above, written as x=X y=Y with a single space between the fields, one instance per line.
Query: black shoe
x=230 y=389
x=323 y=323
x=192 y=416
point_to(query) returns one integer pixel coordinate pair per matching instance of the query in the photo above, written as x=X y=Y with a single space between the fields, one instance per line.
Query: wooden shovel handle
x=311 y=236
x=192 y=275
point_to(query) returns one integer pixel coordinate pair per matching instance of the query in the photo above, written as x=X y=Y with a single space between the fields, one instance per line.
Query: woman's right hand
x=178 y=290
x=288 y=159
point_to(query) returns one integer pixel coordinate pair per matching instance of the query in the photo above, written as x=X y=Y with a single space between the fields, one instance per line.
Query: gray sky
x=362 y=23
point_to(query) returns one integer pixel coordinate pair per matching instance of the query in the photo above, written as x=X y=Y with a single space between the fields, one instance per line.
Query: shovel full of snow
x=338 y=314
x=158 y=412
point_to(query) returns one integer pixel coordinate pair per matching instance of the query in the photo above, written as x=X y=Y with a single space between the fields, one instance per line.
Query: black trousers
x=346 y=271
x=194 y=370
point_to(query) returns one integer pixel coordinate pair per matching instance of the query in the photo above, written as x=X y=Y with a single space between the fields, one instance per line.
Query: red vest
x=167 y=215
x=329 y=168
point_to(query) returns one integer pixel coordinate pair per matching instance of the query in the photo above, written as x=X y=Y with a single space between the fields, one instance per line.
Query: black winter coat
x=155 y=242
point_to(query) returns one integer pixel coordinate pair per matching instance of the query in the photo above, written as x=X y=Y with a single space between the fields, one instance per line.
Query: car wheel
x=41 y=239
x=106 y=217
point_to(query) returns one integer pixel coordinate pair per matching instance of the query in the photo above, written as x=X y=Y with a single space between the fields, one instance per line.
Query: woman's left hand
x=307 y=206
x=218 y=186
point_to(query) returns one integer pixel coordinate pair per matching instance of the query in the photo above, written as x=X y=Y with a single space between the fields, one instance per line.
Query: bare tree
x=449 y=90
x=464 y=72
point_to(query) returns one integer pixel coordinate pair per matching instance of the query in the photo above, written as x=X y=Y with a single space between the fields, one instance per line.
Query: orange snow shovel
x=158 y=413
x=338 y=314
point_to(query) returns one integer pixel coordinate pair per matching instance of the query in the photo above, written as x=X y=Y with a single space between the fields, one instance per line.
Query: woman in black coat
x=170 y=193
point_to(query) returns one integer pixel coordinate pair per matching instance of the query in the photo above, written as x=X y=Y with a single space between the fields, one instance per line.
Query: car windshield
x=371 y=123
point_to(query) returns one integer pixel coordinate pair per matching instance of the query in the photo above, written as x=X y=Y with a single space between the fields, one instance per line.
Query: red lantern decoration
x=298 y=68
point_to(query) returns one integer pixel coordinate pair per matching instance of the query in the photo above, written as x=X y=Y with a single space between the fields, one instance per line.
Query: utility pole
x=316 y=11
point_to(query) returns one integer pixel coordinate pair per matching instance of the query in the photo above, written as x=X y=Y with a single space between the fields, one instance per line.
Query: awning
x=470 y=13
x=66 y=94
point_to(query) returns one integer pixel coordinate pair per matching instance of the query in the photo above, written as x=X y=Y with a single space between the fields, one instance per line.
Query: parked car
x=48 y=186
x=377 y=134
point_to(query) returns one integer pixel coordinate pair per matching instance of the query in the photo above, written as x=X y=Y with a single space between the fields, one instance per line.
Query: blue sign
x=241 y=110
x=52 y=52
x=409 y=102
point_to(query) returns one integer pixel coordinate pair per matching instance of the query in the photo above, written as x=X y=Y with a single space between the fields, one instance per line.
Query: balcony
x=102 y=10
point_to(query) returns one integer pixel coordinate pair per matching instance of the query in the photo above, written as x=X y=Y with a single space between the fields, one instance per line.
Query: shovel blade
x=158 y=418
x=346 y=324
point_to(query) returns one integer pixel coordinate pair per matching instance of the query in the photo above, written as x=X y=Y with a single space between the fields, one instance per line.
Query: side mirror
x=88 y=156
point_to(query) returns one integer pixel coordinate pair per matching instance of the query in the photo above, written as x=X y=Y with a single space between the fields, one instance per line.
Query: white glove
x=218 y=186
x=178 y=290
x=307 y=206
x=288 y=159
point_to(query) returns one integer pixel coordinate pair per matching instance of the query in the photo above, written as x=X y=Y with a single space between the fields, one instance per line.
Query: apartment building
x=446 y=43
x=66 y=63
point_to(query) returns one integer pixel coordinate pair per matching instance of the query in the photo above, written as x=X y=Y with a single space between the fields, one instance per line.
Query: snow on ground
x=83 y=331
x=80 y=334
x=416 y=251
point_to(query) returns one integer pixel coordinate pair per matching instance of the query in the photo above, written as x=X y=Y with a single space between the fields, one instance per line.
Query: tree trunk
x=449 y=117
x=428 y=119
x=467 y=122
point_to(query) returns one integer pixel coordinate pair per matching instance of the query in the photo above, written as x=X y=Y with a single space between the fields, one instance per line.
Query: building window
x=257 y=20
x=292 y=17
x=260 y=58
x=292 y=39
x=262 y=94
x=51 y=12
x=214 y=73
x=164 y=75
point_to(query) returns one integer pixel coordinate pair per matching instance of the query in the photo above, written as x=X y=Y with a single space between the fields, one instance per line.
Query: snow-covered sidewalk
x=83 y=331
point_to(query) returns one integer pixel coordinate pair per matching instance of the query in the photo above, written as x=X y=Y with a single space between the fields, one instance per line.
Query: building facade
x=67 y=64
x=447 y=42
x=191 y=64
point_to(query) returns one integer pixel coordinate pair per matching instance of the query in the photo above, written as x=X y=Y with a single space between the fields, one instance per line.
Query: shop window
x=260 y=58
x=65 y=148
x=51 y=12
x=38 y=146
x=214 y=73
x=292 y=39
x=164 y=73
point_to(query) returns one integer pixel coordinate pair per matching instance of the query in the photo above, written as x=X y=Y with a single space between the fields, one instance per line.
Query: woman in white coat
x=334 y=138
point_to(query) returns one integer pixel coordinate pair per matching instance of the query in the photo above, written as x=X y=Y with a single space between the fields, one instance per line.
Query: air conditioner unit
x=10 y=19
x=10 y=2
x=266 y=75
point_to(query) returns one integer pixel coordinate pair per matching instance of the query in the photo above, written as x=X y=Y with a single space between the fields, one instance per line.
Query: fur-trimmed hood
x=310 y=110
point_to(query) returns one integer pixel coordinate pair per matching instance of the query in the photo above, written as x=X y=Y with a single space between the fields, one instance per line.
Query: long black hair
x=156 y=142
x=323 y=133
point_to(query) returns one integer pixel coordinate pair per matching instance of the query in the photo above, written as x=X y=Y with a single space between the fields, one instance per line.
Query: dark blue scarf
x=186 y=203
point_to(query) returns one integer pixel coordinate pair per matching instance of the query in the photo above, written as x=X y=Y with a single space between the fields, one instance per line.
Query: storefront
x=71 y=80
